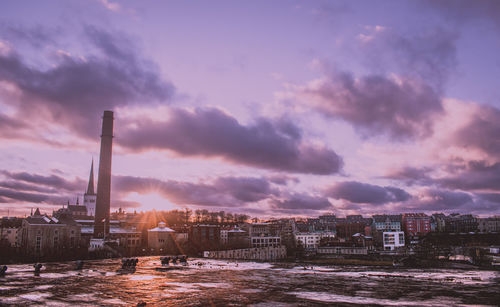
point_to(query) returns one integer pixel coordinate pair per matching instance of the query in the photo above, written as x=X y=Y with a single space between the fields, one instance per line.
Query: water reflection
x=204 y=282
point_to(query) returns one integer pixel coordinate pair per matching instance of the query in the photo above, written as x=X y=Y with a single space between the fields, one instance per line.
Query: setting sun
x=151 y=201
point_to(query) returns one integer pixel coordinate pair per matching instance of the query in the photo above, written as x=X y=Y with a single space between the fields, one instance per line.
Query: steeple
x=90 y=188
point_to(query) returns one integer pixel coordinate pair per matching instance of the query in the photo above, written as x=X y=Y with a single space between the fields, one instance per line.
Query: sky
x=264 y=108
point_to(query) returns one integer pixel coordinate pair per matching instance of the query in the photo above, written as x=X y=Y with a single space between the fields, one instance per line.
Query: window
x=38 y=244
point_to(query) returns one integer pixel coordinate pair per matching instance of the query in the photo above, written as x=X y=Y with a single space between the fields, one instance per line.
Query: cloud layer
x=75 y=90
x=210 y=132
x=400 y=108
x=358 y=192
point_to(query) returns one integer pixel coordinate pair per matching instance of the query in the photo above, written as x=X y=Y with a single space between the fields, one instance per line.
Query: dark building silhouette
x=101 y=226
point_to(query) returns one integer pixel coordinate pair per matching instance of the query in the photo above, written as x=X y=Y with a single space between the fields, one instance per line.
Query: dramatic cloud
x=492 y=197
x=21 y=186
x=53 y=181
x=223 y=192
x=283 y=179
x=488 y=202
x=52 y=190
x=358 y=192
x=460 y=11
x=302 y=202
x=213 y=133
x=477 y=175
x=442 y=200
x=411 y=175
x=400 y=108
x=35 y=36
x=74 y=91
x=11 y=127
x=482 y=132
x=24 y=196
x=245 y=189
x=401 y=97
x=428 y=55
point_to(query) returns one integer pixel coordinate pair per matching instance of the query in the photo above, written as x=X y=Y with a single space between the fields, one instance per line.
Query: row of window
x=266 y=240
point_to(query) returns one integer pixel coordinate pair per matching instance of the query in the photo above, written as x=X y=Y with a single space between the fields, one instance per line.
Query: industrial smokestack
x=101 y=223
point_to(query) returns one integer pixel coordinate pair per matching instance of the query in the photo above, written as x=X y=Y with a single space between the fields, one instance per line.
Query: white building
x=342 y=250
x=263 y=253
x=393 y=240
x=310 y=240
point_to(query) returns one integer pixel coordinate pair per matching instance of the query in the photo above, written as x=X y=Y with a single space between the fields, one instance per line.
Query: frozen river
x=233 y=283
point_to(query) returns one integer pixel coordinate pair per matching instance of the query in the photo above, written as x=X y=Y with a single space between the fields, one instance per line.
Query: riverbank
x=414 y=263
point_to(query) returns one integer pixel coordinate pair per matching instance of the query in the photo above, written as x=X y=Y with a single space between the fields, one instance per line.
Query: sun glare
x=151 y=201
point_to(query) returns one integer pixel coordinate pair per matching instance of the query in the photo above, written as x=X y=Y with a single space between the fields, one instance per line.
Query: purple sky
x=269 y=108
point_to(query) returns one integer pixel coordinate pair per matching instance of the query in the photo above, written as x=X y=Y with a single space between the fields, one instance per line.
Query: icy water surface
x=234 y=283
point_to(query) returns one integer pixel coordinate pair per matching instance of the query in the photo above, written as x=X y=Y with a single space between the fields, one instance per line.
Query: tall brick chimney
x=101 y=224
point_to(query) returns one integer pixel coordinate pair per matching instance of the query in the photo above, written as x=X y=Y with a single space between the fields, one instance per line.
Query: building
x=126 y=238
x=440 y=222
x=223 y=235
x=237 y=238
x=263 y=234
x=384 y=222
x=350 y=227
x=361 y=240
x=393 y=240
x=9 y=232
x=328 y=220
x=311 y=240
x=271 y=232
x=90 y=197
x=161 y=238
x=46 y=237
x=461 y=223
x=204 y=237
x=286 y=229
x=258 y=229
x=489 y=224
x=75 y=211
x=265 y=241
x=416 y=224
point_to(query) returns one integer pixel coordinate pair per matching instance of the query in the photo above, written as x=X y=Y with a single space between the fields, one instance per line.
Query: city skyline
x=274 y=109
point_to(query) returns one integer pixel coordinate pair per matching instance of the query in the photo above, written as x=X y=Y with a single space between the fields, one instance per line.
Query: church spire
x=90 y=188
